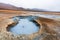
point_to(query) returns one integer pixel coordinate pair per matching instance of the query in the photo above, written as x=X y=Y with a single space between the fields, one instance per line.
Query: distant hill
x=7 y=6
x=4 y=6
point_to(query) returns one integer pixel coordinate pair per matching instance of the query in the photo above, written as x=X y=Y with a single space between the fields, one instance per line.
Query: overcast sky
x=51 y=5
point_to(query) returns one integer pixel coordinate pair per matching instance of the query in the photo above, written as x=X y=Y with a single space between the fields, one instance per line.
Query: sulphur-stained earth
x=49 y=25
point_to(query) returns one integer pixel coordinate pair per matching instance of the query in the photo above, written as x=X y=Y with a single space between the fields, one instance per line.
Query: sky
x=50 y=5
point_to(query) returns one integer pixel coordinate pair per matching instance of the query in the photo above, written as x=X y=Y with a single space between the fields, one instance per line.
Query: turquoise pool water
x=25 y=26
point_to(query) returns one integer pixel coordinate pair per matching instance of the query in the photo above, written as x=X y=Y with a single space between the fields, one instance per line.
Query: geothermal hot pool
x=25 y=26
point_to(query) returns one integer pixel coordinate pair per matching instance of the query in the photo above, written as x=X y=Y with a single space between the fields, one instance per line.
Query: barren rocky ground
x=50 y=23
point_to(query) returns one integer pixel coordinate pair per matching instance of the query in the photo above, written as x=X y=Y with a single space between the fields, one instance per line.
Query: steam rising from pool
x=24 y=26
